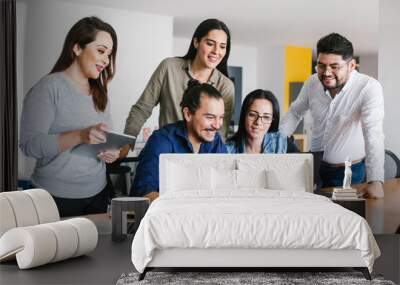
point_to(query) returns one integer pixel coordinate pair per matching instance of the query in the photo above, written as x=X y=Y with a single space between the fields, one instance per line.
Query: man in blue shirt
x=203 y=112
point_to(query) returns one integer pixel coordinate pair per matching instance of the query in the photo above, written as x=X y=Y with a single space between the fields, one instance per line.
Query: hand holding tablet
x=113 y=141
x=109 y=156
x=94 y=134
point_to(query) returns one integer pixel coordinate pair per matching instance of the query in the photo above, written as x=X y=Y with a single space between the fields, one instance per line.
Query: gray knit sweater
x=54 y=105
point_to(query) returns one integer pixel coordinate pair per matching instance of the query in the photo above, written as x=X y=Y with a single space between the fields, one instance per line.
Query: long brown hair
x=83 y=32
x=201 y=31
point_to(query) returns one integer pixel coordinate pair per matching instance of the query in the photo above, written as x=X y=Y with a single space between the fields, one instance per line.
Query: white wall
x=389 y=72
x=247 y=58
x=180 y=46
x=243 y=56
x=369 y=65
x=143 y=41
x=271 y=71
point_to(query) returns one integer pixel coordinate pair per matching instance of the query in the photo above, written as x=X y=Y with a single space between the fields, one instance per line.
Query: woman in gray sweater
x=69 y=107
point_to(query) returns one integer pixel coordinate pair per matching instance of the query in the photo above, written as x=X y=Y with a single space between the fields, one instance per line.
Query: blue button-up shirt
x=273 y=142
x=172 y=138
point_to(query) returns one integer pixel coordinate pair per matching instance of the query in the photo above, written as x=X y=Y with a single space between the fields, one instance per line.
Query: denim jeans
x=333 y=176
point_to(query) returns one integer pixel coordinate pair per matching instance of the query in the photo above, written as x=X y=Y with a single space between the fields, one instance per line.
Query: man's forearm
x=289 y=124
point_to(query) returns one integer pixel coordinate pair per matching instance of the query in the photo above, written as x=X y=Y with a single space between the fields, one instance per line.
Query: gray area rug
x=229 y=278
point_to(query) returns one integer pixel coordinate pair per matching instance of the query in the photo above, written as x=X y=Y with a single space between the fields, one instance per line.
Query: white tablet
x=114 y=141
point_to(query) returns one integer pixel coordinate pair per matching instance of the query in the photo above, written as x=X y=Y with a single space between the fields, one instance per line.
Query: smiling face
x=206 y=120
x=333 y=71
x=259 y=118
x=95 y=56
x=211 y=48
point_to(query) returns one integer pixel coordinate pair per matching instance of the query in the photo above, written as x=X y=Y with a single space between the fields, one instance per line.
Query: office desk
x=383 y=216
x=102 y=266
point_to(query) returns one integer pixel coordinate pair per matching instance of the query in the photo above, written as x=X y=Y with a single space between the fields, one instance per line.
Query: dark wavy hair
x=82 y=33
x=247 y=102
x=191 y=96
x=201 y=31
x=335 y=44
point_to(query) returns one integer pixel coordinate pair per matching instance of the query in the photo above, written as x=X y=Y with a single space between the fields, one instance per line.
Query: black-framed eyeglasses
x=334 y=68
x=265 y=119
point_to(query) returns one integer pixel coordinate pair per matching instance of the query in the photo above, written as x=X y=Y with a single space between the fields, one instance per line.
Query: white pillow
x=293 y=179
x=184 y=177
x=224 y=179
x=227 y=179
x=203 y=161
x=281 y=173
x=251 y=178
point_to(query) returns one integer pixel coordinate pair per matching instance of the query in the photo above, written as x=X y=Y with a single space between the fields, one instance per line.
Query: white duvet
x=252 y=218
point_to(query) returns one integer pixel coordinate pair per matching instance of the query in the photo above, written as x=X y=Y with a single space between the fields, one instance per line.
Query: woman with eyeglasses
x=258 y=126
x=205 y=61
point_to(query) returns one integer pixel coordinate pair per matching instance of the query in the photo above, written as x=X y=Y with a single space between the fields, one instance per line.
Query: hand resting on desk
x=373 y=190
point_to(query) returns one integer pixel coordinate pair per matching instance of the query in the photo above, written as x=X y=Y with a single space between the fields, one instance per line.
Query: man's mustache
x=323 y=77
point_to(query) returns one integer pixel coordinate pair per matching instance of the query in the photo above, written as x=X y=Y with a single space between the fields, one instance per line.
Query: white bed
x=247 y=211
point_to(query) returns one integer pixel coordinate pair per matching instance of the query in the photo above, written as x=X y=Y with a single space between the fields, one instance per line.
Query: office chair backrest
x=392 y=165
x=119 y=179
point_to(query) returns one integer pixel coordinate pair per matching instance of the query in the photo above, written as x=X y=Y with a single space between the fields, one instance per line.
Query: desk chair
x=392 y=165
x=291 y=145
x=119 y=178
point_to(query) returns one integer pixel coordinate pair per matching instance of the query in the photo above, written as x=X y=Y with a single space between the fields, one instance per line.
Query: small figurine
x=347 y=174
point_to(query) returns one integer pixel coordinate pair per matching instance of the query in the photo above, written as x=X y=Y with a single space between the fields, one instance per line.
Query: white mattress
x=252 y=218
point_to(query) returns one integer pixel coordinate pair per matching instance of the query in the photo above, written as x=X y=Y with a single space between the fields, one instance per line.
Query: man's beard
x=337 y=86
x=202 y=139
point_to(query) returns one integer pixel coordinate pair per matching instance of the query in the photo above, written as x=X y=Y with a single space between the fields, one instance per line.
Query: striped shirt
x=349 y=125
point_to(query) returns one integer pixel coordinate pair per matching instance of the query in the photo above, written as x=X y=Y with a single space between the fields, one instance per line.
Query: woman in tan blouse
x=205 y=61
